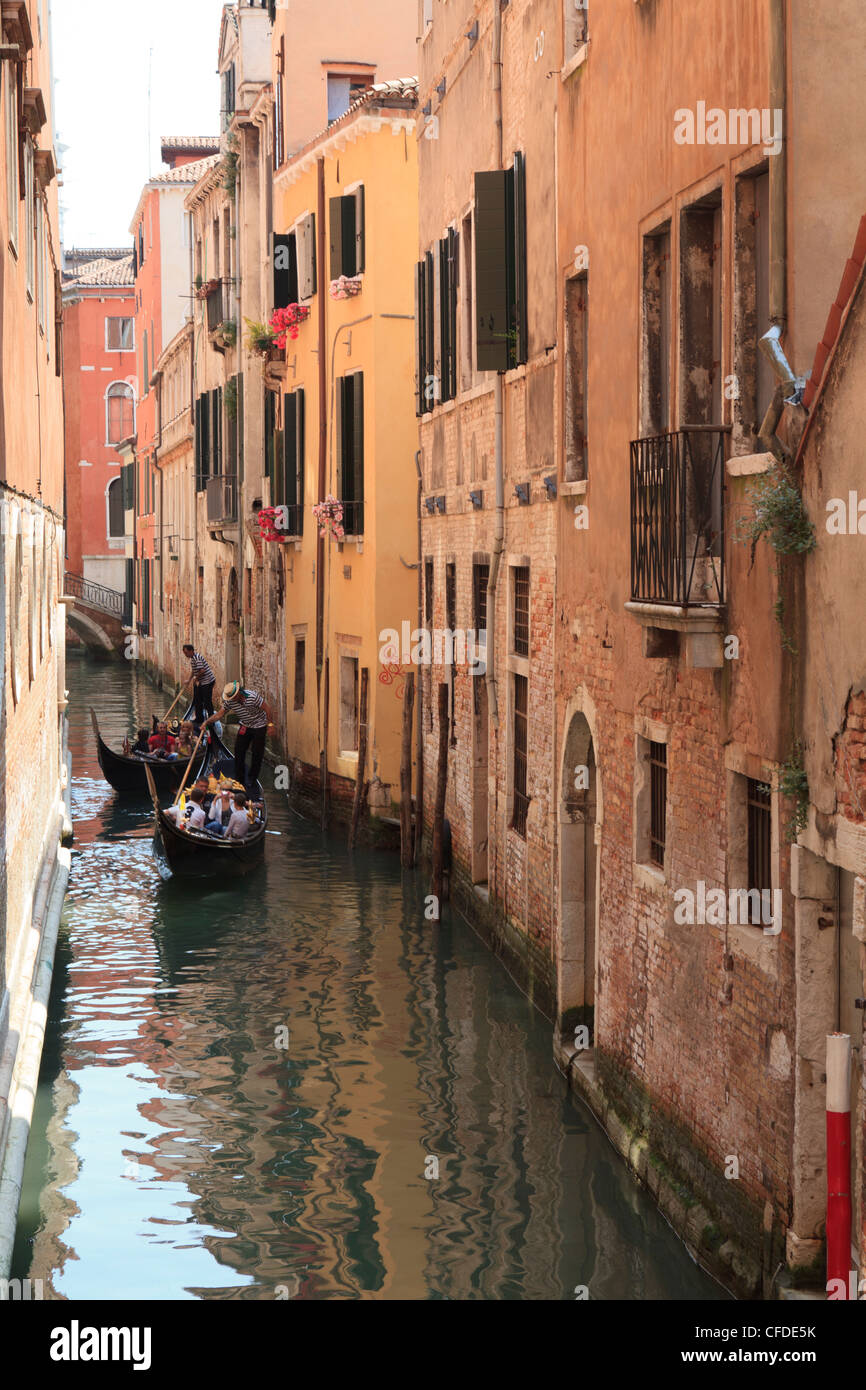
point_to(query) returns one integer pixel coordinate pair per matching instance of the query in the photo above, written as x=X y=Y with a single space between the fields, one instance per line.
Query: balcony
x=678 y=540
x=353 y=518
x=222 y=500
x=173 y=545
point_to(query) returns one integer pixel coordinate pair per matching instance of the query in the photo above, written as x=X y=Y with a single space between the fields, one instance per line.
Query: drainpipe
x=323 y=421
x=499 y=532
x=419 y=693
x=778 y=171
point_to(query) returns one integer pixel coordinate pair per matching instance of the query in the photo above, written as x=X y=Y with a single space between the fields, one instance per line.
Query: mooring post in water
x=362 y=757
x=323 y=757
x=439 y=805
x=407 y=849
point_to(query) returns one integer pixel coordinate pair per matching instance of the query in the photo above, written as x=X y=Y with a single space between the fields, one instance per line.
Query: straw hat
x=231 y=690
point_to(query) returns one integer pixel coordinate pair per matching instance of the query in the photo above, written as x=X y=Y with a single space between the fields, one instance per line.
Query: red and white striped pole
x=838 y=1163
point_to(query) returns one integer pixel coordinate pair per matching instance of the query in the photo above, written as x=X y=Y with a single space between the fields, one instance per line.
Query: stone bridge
x=97 y=615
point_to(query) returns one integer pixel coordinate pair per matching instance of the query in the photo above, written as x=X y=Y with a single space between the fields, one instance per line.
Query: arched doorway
x=233 y=630
x=579 y=850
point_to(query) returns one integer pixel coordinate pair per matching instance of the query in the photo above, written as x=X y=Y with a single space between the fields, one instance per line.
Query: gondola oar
x=189 y=765
x=177 y=697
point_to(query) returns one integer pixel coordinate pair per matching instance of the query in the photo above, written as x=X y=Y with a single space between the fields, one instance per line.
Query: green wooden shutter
x=341 y=439
x=300 y=445
x=520 y=316
x=420 y=339
x=284 y=270
x=432 y=387
x=358 y=448
x=359 y=216
x=491 y=279
x=336 y=231
x=306 y=240
x=290 y=445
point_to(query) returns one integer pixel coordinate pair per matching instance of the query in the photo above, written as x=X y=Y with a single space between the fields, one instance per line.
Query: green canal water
x=412 y=1140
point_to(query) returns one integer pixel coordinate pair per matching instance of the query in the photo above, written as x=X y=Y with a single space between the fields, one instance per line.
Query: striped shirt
x=201 y=669
x=247 y=705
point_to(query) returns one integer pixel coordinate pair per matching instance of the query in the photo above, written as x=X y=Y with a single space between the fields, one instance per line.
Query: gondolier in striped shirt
x=255 y=720
x=203 y=680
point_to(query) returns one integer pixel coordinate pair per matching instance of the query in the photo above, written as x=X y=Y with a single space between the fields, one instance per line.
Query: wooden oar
x=179 y=693
x=189 y=764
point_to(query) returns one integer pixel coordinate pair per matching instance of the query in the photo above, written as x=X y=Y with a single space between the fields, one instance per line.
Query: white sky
x=101 y=52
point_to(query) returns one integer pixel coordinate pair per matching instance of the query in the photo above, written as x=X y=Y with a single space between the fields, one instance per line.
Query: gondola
x=127 y=774
x=195 y=853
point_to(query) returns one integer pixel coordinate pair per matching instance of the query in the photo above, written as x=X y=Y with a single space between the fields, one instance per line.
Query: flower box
x=346 y=287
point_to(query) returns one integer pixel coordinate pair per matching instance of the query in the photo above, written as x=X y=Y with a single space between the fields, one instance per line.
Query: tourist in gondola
x=203 y=681
x=194 y=816
x=161 y=744
x=255 y=720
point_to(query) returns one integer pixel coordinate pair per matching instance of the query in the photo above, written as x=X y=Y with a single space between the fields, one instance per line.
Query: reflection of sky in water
x=177 y=1152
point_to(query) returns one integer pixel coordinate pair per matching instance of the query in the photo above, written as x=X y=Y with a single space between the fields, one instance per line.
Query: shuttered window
x=271 y=471
x=448 y=277
x=305 y=234
x=208 y=437
x=350 y=426
x=658 y=761
x=284 y=267
x=500 y=268
x=521 y=744
x=347 y=233
x=760 y=820
x=293 y=460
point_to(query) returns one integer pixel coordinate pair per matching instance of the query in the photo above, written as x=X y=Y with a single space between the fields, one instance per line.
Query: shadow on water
x=294 y=1086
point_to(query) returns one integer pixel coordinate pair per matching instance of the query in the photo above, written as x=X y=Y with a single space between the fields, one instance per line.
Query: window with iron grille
x=759 y=837
x=520 y=597
x=451 y=596
x=480 y=577
x=658 y=760
x=428 y=592
x=300 y=671
x=519 y=733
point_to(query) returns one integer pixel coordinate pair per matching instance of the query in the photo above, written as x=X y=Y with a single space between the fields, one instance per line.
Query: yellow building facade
x=345 y=210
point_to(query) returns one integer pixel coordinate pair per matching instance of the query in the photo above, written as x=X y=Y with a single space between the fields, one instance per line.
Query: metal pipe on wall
x=778 y=164
x=499 y=532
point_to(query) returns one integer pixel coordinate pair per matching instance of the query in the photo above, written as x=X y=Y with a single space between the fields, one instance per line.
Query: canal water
x=299 y=1088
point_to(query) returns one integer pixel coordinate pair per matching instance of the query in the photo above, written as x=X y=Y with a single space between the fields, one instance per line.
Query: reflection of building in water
x=56 y=1210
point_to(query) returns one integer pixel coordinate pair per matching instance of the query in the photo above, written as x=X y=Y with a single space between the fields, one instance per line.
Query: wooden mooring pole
x=439 y=805
x=362 y=758
x=407 y=848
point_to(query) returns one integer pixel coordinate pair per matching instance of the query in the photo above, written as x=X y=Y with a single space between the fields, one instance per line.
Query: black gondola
x=195 y=853
x=127 y=774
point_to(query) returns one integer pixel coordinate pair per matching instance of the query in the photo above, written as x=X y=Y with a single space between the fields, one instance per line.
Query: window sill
x=576 y=62
x=352 y=540
x=649 y=876
x=575 y=489
x=517 y=665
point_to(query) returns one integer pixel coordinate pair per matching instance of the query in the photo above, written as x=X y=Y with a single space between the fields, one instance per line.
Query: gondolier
x=255 y=720
x=203 y=681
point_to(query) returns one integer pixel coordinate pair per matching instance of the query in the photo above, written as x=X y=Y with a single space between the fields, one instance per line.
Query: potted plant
x=329 y=517
x=346 y=286
x=285 y=322
x=228 y=332
x=208 y=287
x=260 y=338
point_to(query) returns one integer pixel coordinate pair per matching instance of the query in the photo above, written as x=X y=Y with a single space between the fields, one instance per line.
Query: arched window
x=114 y=497
x=15 y=618
x=119 y=412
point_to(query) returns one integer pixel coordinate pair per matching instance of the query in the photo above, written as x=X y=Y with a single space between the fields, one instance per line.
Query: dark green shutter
x=300 y=444
x=420 y=338
x=285 y=278
x=290 y=444
x=520 y=317
x=431 y=394
x=491 y=280
x=358 y=447
x=336 y=231
x=240 y=381
x=350 y=233
x=341 y=439
x=359 y=216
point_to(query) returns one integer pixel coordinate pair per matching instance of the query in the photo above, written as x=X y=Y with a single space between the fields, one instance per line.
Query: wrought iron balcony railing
x=222 y=499
x=678 y=517
x=219 y=304
x=353 y=518
x=294 y=520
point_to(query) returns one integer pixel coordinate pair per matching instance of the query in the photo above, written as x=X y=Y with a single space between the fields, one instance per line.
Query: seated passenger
x=185 y=742
x=161 y=743
x=220 y=812
x=193 y=817
x=239 y=825
x=141 y=742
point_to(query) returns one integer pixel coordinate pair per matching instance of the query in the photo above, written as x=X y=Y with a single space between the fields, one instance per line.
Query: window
x=501 y=322
x=759 y=835
x=350 y=434
x=145 y=596
x=119 y=335
x=347 y=220
x=480 y=577
x=293 y=460
x=300 y=671
x=520 y=610
x=29 y=213
x=519 y=736
x=114 y=501
x=119 y=412
x=305 y=237
x=218 y=596
x=656 y=354
x=260 y=601
x=227 y=82
x=200 y=592
x=754 y=375
x=448 y=280
x=429 y=386
x=426 y=15
x=145 y=376
x=208 y=437
x=342 y=92
x=428 y=592
x=284 y=264
x=467 y=307
x=576 y=360
x=701 y=313
x=272 y=444
x=13 y=192
x=658 y=762
x=348 y=704
x=41 y=258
